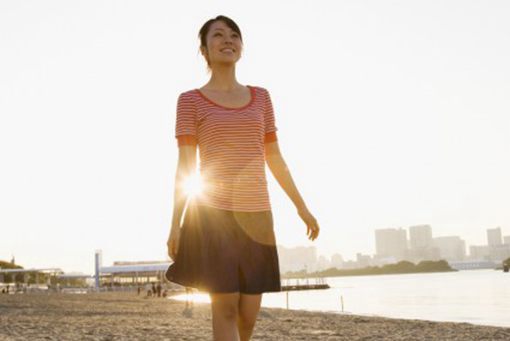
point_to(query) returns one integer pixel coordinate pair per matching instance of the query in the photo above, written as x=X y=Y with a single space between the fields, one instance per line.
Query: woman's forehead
x=220 y=26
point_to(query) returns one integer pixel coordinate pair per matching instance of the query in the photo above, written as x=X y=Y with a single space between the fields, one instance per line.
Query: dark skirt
x=222 y=251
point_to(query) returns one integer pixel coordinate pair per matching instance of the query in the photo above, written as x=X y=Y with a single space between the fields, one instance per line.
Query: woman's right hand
x=173 y=242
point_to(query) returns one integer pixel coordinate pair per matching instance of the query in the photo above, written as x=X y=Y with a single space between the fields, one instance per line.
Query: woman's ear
x=203 y=51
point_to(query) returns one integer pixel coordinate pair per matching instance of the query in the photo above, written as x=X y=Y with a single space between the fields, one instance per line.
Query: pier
x=293 y=284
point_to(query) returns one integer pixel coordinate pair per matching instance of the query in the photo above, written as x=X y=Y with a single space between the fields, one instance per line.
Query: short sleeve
x=186 y=120
x=269 y=119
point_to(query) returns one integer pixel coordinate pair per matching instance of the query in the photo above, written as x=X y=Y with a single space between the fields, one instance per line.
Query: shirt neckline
x=252 y=98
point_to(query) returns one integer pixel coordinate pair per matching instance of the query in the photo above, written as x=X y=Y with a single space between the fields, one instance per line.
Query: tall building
x=506 y=240
x=421 y=244
x=420 y=237
x=391 y=243
x=451 y=248
x=494 y=237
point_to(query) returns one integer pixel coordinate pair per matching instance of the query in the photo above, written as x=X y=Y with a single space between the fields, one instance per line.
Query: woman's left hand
x=312 y=227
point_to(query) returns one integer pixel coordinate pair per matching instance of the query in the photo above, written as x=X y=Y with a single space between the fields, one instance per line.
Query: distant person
x=148 y=290
x=153 y=289
x=139 y=289
x=158 y=289
x=226 y=245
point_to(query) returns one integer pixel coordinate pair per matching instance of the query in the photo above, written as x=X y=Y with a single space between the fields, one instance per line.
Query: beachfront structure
x=30 y=276
x=133 y=273
x=129 y=273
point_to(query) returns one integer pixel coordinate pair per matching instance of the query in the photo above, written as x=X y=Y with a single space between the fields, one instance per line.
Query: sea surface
x=475 y=296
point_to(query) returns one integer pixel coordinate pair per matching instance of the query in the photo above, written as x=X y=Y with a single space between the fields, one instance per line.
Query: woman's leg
x=225 y=310
x=249 y=306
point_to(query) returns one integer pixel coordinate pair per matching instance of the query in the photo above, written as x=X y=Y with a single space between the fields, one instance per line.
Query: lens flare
x=193 y=185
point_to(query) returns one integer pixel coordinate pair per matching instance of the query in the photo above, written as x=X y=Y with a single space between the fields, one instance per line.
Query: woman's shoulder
x=260 y=90
x=188 y=93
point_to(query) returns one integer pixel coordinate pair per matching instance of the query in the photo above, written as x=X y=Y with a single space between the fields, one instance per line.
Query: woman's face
x=223 y=44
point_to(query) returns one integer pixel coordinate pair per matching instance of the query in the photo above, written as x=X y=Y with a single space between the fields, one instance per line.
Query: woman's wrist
x=302 y=208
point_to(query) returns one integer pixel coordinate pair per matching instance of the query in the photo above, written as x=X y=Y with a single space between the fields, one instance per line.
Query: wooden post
x=342 y=302
x=287 y=300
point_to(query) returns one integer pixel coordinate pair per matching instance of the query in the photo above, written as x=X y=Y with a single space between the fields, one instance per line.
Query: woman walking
x=226 y=244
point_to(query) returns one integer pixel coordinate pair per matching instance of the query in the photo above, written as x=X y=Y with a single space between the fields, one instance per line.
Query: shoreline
x=124 y=315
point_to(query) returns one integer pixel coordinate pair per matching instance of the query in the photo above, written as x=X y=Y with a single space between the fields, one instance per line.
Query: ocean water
x=474 y=296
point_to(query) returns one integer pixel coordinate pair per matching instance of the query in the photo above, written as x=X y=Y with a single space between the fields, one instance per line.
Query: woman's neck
x=223 y=78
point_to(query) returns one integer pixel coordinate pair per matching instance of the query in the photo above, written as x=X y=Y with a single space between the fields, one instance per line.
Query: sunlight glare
x=193 y=185
x=197 y=297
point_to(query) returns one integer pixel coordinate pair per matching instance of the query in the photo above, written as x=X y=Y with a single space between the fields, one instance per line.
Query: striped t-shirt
x=231 y=148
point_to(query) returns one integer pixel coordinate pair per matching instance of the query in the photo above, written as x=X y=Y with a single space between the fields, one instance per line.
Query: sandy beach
x=126 y=316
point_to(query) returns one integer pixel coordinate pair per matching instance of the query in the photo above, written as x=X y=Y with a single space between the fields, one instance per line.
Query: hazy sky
x=390 y=114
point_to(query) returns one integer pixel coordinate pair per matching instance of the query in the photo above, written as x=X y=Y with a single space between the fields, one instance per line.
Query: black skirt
x=223 y=251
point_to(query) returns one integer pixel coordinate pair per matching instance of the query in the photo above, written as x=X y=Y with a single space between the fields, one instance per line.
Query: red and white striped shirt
x=231 y=148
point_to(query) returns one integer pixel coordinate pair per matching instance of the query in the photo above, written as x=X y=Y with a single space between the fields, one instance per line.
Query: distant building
x=479 y=252
x=363 y=260
x=421 y=244
x=322 y=264
x=506 y=240
x=499 y=253
x=391 y=243
x=494 y=237
x=337 y=261
x=297 y=258
x=451 y=248
x=420 y=237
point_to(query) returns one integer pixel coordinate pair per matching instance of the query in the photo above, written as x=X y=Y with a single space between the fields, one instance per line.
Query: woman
x=226 y=245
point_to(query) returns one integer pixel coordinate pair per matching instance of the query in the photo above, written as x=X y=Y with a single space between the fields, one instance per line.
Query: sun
x=193 y=185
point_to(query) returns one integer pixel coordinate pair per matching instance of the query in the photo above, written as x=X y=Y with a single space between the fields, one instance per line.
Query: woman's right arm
x=186 y=166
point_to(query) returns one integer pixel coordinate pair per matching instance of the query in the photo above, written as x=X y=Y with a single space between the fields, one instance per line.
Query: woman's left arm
x=280 y=171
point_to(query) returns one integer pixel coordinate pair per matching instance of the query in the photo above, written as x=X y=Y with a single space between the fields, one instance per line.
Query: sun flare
x=193 y=185
x=196 y=297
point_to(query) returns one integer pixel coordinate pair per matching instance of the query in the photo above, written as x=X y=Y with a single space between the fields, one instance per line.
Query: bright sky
x=390 y=114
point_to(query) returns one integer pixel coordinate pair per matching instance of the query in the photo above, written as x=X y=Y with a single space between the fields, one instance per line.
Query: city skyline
x=317 y=261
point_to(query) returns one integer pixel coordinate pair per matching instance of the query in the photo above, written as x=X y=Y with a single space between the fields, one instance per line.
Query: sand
x=126 y=316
